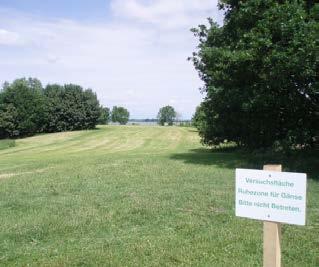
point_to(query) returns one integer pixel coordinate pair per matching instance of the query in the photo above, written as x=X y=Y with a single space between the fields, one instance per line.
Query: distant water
x=144 y=123
x=150 y=123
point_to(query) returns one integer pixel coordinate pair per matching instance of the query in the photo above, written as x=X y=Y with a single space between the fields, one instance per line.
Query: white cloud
x=10 y=38
x=137 y=59
x=52 y=59
x=167 y=13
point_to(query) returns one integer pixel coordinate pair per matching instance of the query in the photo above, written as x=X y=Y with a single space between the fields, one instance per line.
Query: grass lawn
x=136 y=196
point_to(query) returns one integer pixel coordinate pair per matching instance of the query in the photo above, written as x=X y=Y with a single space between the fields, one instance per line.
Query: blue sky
x=72 y=9
x=130 y=52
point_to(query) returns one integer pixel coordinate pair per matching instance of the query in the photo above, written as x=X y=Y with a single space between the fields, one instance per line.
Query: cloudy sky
x=132 y=53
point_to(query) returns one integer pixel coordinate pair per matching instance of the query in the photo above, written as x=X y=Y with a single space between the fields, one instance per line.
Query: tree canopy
x=22 y=106
x=167 y=115
x=105 y=115
x=27 y=108
x=260 y=71
x=120 y=115
x=69 y=107
x=198 y=119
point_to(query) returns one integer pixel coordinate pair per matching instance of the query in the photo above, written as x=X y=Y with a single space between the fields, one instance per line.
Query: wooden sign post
x=273 y=197
x=272 y=234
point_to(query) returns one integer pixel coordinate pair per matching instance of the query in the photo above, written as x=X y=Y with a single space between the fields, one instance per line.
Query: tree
x=198 y=119
x=104 y=115
x=22 y=106
x=260 y=71
x=91 y=108
x=26 y=108
x=120 y=115
x=167 y=115
x=69 y=108
x=55 y=109
x=8 y=117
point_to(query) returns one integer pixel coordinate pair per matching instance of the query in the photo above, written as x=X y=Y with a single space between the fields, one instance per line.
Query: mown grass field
x=135 y=196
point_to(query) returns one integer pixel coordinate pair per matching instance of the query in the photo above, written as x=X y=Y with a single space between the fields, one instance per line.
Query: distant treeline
x=143 y=120
x=26 y=108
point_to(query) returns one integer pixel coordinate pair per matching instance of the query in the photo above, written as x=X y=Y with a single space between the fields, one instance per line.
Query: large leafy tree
x=199 y=118
x=22 y=106
x=120 y=115
x=92 y=109
x=8 y=118
x=167 y=115
x=104 y=117
x=260 y=71
x=69 y=107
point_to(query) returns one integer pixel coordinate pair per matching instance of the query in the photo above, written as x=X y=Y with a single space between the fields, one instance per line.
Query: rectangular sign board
x=271 y=196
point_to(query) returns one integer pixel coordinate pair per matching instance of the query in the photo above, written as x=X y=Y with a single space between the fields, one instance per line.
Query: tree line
x=26 y=108
x=260 y=70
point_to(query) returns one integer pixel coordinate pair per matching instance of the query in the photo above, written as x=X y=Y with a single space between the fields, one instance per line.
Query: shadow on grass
x=7 y=143
x=231 y=158
x=192 y=131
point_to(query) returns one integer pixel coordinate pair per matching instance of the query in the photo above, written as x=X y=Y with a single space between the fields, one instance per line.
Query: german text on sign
x=271 y=196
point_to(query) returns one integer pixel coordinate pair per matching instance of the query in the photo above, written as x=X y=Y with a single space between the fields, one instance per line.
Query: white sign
x=271 y=196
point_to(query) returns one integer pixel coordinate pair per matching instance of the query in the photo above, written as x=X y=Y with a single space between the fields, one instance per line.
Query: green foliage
x=104 y=116
x=260 y=71
x=167 y=115
x=22 y=106
x=8 y=118
x=69 y=107
x=26 y=108
x=120 y=115
x=198 y=119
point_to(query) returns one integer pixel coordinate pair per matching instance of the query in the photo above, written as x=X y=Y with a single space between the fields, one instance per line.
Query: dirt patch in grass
x=12 y=174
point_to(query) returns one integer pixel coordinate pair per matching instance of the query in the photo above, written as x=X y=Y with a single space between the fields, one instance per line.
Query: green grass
x=136 y=196
x=6 y=143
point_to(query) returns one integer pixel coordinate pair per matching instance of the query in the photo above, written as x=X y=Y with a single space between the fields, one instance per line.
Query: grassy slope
x=132 y=196
x=7 y=143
